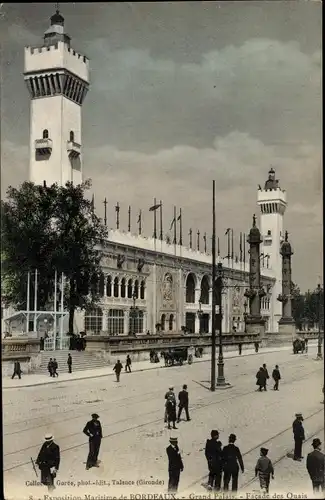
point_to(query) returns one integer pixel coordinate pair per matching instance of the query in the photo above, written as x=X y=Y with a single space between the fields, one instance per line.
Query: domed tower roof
x=254 y=234
x=272 y=182
x=56 y=32
x=286 y=248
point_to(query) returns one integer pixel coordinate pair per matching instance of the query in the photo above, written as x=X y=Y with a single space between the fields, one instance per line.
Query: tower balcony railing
x=43 y=146
x=74 y=149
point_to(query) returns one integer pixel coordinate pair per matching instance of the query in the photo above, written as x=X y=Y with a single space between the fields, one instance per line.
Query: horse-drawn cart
x=175 y=356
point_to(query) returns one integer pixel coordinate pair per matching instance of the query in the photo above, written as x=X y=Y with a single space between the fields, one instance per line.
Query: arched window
x=136 y=289
x=101 y=285
x=190 y=289
x=130 y=291
x=109 y=286
x=171 y=322
x=205 y=290
x=45 y=134
x=163 y=320
x=116 y=287
x=71 y=136
x=94 y=321
x=123 y=288
x=142 y=289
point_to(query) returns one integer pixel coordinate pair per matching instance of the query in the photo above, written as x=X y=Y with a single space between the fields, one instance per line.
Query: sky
x=183 y=93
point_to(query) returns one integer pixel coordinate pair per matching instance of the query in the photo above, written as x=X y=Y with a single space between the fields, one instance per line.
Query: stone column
x=197 y=295
x=104 y=322
x=286 y=322
x=197 y=324
x=126 y=321
x=255 y=323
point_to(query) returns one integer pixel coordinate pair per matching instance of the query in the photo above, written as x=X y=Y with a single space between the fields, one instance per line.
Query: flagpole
x=117 y=210
x=129 y=223
x=180 y=228
x=213 y=322
x=244 y=256
x=198 y=240
x=35 y=303
x=218 y=247
x=232 y=249
x=190 y=235
x=161 y=222
x=139 y=221
x=105 y=212
x=154 y=220
x=228 y=252
x=175 y=229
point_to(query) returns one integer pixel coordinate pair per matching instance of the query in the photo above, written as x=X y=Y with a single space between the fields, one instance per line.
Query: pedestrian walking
x=117 y=369
x=315 y=464
x=231 y=461
x=299 y=436
x=183 y=403
x=266 y=376
x=169 y=394
x=306 y=345
x=175 y=465
x=17 y=370
x=50 y=367
x=93 y=430
x=69 y=362
x=128 y=364
x=213 y=454
x=261 y=379
x=171 y=412
x=239 y=349
x=55 y=368
x=264 y=470
x=276 y=377
x=256 y=345
x=48 y=461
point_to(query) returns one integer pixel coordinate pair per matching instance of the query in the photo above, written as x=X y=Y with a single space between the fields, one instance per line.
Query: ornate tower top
x=254 y=234
x=272 y=182
x=56 y=32
x=286 y=249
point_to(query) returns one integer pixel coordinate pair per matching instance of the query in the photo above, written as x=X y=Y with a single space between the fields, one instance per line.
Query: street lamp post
x=221 y=381
x=319 y=345
x=245 y=317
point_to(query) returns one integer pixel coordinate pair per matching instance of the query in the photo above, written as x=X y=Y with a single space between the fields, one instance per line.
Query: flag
x=228 y=229
x=179 y=217
x=172 y=224
x=139 y=218
x=154 y=207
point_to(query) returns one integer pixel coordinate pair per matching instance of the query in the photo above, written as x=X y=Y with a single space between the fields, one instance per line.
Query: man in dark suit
x=93 y=430
x=48 y=461
x=276 y=377
x=299 y=436
x=316 y=466
x=69 y=363
x=183 y=403
x=17 y=370
x=175 y=464
x=231 y=461
x=266 y=376
x=213 y=454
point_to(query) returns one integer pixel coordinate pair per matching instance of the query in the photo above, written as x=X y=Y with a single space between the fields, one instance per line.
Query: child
x=264 y=469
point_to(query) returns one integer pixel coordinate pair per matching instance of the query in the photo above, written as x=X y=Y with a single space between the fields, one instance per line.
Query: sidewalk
x=32 y=380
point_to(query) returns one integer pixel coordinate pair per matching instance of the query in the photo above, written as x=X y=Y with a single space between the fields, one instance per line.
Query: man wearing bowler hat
x=315 y=465
x=48 y=461
x=299 y=436
x=175 y=464
x=93 y=430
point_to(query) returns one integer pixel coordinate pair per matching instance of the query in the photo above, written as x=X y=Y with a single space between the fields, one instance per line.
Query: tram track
x=133 y=428
x=127 y=399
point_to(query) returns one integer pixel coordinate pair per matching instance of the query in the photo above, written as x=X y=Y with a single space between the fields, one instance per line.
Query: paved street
x=135 y=436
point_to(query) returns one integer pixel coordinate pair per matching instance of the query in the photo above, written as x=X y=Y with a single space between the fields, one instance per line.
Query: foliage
x=307 y=308
x=48 y=228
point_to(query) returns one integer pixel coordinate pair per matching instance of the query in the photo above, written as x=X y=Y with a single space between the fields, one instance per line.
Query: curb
x=133 y=371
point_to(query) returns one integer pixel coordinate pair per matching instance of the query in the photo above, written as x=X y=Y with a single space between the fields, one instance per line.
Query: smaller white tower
x=57 y=78
x=272 y=202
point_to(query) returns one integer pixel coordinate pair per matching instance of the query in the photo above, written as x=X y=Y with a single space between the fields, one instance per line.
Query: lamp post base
x=221 y=381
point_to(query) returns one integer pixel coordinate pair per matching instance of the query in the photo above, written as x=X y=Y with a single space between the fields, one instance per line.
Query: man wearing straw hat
x=48 y=461
x=175 y=464
x=299 y=436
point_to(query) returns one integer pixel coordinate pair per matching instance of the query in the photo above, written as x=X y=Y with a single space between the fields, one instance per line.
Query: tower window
x=269 y=233
x=71 y=136
x=45 y=134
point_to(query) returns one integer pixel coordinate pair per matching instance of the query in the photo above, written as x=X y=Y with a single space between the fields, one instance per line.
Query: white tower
x=57 y=78
x=272 y=202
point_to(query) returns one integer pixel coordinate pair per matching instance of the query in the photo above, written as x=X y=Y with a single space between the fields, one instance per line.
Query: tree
x=51 y=228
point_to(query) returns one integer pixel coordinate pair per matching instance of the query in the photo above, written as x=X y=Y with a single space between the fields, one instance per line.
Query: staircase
x=82 y=360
